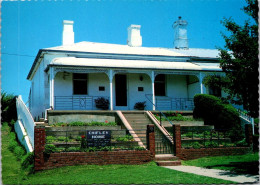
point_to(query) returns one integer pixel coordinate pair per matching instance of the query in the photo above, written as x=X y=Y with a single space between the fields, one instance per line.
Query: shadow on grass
x=238 y=168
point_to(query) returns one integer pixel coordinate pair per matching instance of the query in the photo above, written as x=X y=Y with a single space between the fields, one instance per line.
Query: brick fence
x=55 y=160
x=187 y=154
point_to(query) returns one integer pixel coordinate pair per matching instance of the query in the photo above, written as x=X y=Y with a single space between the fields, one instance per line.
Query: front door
x=121 y=90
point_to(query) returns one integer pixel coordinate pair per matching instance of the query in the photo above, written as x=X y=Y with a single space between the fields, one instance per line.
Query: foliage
x=27 y=162
x=140 y=105
x=222 y=116
x=173 y=116
x=79 y=123
x=50 y=148
x=19 y=152
x=8 y=107
x=125 y=138
x=102 y=103
x=241 y=64
x=83 y=142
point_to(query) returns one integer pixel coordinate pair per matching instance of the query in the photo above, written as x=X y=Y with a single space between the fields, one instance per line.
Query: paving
x=215 y=173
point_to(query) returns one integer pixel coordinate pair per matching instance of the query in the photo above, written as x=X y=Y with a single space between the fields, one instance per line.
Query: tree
x=8 y=107
x=239 y=61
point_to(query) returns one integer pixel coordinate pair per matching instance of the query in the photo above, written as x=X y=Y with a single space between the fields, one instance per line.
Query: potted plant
x=102 y=103
x=140 y=105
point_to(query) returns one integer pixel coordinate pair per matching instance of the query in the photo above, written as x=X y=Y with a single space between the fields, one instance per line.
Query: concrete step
x=165 y=157
x=168 y=163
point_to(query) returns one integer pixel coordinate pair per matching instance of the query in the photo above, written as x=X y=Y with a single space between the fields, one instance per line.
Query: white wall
x=38 y=96
x=134 y=95
x=176 y=86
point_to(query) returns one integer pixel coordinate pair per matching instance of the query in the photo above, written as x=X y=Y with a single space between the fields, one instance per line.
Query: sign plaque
x=98 y=138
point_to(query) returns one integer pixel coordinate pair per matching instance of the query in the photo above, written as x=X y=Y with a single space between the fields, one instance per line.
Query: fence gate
x=162 y=143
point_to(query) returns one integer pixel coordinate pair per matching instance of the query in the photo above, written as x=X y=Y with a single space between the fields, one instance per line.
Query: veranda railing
x=76 y=102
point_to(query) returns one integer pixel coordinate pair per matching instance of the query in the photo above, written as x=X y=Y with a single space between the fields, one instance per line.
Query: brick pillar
x=39 y=145
x=249 y=134
x=177 y=139
x=150 y=139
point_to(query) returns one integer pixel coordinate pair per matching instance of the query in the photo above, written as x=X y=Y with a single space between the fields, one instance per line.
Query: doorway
x=121 y=90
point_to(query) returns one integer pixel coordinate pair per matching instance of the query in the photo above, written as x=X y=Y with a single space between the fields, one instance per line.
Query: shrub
x=102 y=103
x=8 y=107
x=19 y=152
x=27 y=163
x=50 y=148
x=214 y=112
x=27 y=160
x=196 y=145
x=12 y=145
x=140 y=105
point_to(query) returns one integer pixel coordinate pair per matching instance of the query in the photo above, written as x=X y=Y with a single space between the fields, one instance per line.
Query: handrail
x=161 y=113
x=247 y=118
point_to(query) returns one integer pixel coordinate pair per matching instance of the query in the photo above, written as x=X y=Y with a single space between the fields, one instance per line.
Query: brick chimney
x=180 y=34
x=67 y=34
x=134 y=37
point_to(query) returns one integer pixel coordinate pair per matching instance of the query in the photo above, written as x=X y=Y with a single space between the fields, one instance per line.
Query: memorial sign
x=98 y=138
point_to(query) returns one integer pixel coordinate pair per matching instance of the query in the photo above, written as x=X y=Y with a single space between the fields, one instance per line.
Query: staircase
x=138 y=122
x=167 y=160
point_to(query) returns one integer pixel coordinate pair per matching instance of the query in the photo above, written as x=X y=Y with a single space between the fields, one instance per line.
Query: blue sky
x=28 y=26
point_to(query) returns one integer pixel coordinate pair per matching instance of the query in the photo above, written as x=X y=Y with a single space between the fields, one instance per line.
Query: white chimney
x=180 y=34
x=134 y=37
x=68 y=34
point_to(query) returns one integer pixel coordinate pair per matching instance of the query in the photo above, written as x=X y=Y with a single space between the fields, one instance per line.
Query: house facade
x=73 y=76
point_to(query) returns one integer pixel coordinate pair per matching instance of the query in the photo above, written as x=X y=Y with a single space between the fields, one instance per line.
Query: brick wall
x=55 y=160
x=98 y=158
x=187 y=154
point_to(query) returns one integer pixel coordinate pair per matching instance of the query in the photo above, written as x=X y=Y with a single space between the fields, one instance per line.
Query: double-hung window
x=80 y=84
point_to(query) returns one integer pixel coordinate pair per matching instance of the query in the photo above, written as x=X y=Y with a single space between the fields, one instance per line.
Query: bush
x=50 y=148
x=19 y=152
x=8 y=107
x=12 y=145
x=214 y=112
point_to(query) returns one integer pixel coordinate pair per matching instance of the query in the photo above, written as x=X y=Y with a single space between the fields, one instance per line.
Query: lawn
x=93 y=174
x=237 y=164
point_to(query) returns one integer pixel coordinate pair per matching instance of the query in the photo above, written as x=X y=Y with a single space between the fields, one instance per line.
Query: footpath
x=219 y=174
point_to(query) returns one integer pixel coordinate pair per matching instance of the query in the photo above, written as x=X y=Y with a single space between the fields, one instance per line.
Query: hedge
x=215 y=112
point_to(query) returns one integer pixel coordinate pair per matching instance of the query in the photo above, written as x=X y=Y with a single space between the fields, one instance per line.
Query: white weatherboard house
x=72 y=76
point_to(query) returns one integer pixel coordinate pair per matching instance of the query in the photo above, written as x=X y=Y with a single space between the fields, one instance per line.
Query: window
x=101 y=88
x=140 y=89
x=159 y=85
x=80 y=83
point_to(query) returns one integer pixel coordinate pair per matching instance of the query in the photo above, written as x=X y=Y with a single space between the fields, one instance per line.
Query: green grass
x=11 y=168
x=118 y=174
x=94 y=174
x=238 y=164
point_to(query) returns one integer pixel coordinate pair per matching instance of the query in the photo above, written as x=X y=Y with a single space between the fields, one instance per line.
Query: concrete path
x=215 y=173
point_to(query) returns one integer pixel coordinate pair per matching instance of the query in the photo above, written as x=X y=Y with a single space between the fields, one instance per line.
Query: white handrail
x=25 y=117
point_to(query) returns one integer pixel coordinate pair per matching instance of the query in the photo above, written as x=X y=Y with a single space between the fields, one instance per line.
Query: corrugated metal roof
x=133 y=64
x=116 y=48
x=198 y=52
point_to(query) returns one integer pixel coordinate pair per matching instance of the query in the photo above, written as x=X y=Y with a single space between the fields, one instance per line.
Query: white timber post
x=202 y=87
x=51 y=87
x=153 y=92
x=111 y=88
